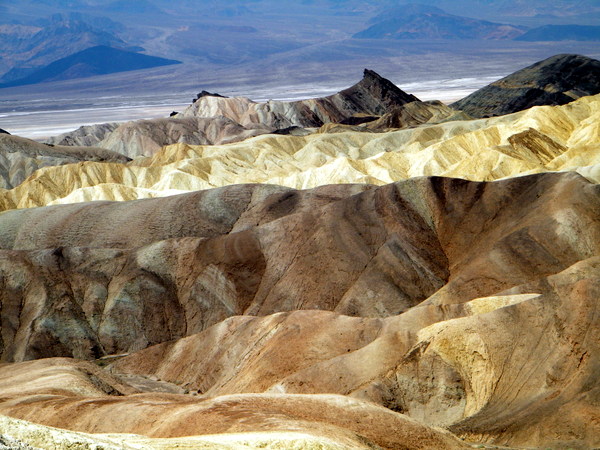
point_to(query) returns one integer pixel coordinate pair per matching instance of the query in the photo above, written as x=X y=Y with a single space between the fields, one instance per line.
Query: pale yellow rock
x=489 y=304
x=459 y=344
x=40 y=436
x=546 y=138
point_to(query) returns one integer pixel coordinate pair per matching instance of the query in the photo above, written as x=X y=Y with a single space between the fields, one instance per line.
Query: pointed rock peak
x=373 y=78
x=375 y=82
x=377 y=93
x=372 y=74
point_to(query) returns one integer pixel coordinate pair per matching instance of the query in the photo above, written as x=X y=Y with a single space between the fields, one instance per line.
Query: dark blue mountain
x=68 y=33
x=562 y=33
x=99 y=60
x=427 y=22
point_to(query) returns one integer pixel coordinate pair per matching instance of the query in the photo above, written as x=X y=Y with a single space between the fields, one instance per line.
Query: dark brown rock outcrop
x=205 y=93
x=557 y=80
x=374 y=94
x=457 y=366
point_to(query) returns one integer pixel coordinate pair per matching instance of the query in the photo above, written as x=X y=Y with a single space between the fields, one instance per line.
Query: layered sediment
x=541 y=139
x=402 y=276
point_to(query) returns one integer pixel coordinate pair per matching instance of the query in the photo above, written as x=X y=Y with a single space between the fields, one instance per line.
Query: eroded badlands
x=407 y=278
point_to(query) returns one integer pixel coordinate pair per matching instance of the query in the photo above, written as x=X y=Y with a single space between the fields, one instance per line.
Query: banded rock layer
x=537 y=140
x=257 y=250
x=274 y=421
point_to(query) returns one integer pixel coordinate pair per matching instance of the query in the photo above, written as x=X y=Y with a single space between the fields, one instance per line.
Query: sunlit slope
x=541 y=139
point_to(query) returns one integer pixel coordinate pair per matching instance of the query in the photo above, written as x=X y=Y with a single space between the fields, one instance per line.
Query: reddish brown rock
x=473 y=303
x=501 y=369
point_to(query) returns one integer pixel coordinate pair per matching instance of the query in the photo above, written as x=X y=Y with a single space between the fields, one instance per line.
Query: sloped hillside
x=488 y=288
x=21 y=157
x=537 y=140
x=557 y=80
x=396 y=275
x=97 y=60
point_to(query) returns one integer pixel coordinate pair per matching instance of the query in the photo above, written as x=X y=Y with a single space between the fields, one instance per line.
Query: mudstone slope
x=21 y=157
x=214 y=119
x=350 y=290
x=311 y=290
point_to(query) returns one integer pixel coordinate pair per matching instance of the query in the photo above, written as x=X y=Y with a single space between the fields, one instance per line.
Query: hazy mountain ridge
x=424 y=23
x=53 y=42
x=562 y=33
x=282 y=28
x=98 y=60
x=244 y=43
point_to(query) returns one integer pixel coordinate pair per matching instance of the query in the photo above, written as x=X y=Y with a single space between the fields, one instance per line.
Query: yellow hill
x=540 y=139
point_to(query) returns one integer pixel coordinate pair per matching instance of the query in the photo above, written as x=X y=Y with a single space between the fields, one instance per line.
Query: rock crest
x=557 y=80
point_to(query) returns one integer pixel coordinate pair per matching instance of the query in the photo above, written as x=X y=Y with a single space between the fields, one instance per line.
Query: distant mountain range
x=428 y=22
x=227 y=44
x=36 y=33
x=562 y=33
x=416 y=21
x=98 y=60
x=531 y=8
x=27 y=49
